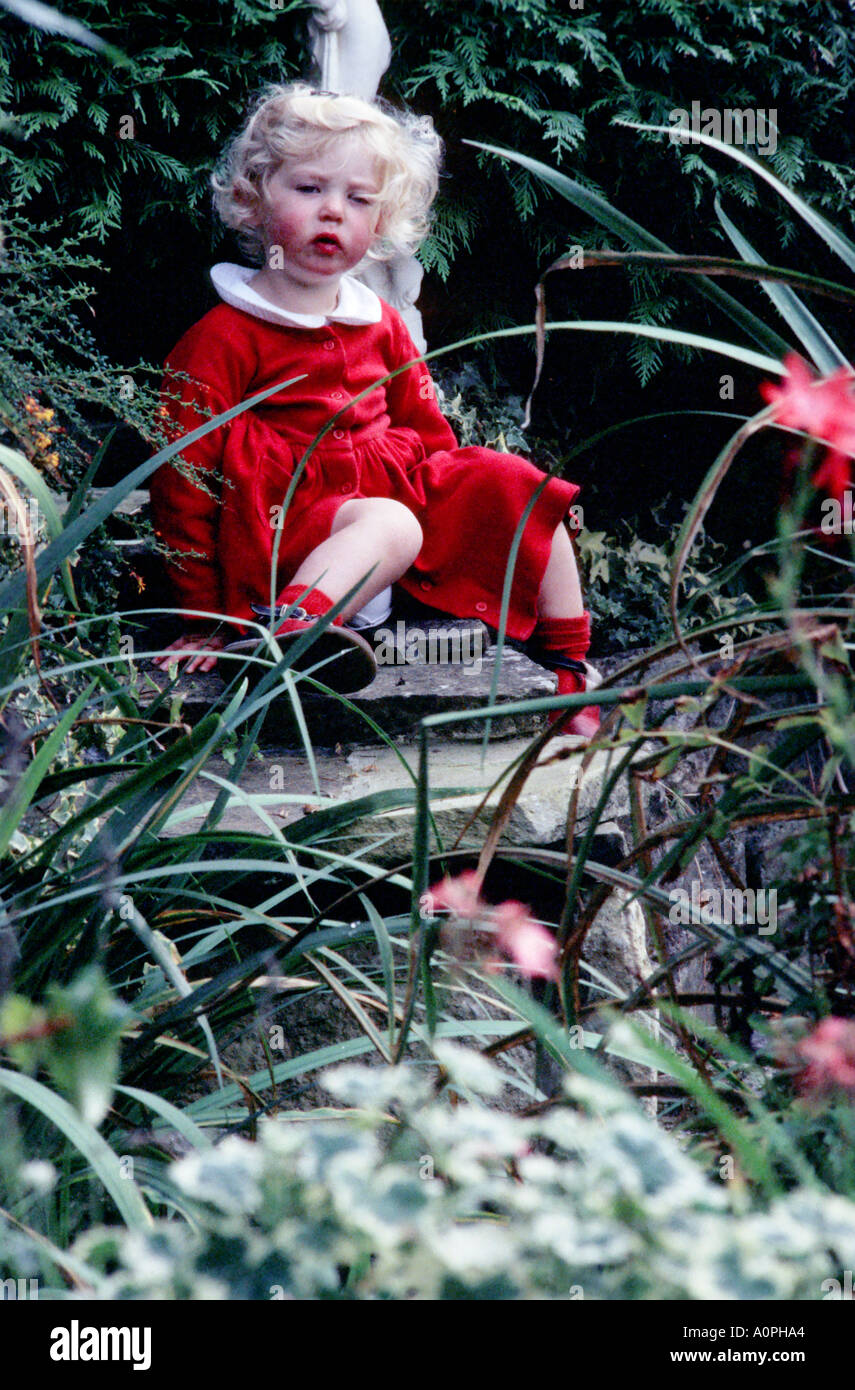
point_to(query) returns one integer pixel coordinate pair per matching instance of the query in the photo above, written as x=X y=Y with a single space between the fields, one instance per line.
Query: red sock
x=315 y=601
x=569 y=638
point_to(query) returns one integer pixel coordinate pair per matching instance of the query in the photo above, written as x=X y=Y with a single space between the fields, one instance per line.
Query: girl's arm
x=186 y=502
x=411 y=397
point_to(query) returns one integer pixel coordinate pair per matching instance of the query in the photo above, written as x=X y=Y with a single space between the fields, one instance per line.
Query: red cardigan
x=392 y=443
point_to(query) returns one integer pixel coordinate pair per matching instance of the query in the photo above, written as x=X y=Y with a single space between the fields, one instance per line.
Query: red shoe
x=575 y=676
x=585 y=722
x=561 y=644
x=348 y=661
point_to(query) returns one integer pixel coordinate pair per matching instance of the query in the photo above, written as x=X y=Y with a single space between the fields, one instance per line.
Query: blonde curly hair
x=293 y=122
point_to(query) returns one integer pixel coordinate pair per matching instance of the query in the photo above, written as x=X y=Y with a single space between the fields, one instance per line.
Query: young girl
x=315 y=183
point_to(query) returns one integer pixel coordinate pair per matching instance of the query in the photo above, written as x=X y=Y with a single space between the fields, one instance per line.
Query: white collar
x=357 y=304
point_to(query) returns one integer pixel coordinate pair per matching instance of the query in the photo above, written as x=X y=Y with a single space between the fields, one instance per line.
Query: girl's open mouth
x=327 y=245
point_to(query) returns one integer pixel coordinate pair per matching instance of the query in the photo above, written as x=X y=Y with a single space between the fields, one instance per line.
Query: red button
x=347 y=487
x=329 y=345
x=338 y=434
x=426 y=584
x=335 y=395
x=480 y=607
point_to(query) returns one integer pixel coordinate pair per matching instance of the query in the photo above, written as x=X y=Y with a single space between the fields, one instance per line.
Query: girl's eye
x=307 y=188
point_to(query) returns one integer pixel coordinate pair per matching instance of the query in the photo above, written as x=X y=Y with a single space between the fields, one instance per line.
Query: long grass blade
x=839 y=244
x=88 y=1142
x=387 y=963
x=634 y=234
x=28 y=785
x=752 y=268
x=24 y=471
x=169 y=1112
x=819 y=345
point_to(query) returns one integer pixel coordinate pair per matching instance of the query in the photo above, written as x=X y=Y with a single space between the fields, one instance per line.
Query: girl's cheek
x=280 y=230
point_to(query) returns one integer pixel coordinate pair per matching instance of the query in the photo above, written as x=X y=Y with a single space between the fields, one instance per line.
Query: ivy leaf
x=667 y=763
x=634 y=713
x=22 y=1028
x=82 y=1055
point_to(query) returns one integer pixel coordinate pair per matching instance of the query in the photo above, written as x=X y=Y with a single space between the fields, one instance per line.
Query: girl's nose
x=332 y=205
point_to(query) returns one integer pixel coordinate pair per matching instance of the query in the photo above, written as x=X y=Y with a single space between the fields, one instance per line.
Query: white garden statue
x=350 y=46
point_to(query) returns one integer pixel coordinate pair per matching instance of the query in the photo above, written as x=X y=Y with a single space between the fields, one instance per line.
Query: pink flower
x=524 y=941
x=828 y=1057
x=823 y=408
x=460 y=895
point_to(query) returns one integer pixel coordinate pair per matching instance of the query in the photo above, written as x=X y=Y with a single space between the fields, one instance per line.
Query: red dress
x=392 y=443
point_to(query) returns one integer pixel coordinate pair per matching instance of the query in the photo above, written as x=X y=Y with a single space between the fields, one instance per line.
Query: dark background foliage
x=540 y=76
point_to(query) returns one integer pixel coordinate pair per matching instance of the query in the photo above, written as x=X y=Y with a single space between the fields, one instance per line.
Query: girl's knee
x=400 y=528
x=407 y=527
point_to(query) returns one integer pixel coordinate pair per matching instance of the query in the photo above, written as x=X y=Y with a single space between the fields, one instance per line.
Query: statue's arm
x=363 y=45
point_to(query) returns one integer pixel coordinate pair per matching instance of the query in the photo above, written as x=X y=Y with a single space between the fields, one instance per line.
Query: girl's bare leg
x=560 y=591
x=562 y=635
x=367 y=531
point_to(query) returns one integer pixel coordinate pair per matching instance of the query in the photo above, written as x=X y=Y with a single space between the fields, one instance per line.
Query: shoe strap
x=554 y=661
x=274 y=614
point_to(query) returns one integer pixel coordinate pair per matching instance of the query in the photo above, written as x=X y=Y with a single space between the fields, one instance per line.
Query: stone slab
x=404 y=692
x=278 y=787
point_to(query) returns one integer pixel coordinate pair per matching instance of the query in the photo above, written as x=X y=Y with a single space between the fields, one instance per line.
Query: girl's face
x=320 y=214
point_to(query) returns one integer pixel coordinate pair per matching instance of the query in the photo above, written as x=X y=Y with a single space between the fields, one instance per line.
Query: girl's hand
x=184 y=648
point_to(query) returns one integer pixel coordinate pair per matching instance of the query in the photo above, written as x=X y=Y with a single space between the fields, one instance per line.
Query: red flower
x=828 y=1055
x=524 y=941
x=824 y=408
x=833 y=474
x=460 y=895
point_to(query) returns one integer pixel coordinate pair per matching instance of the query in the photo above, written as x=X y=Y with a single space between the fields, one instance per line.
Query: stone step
x=277 y=788
x=405 y=691
x=134 y=505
